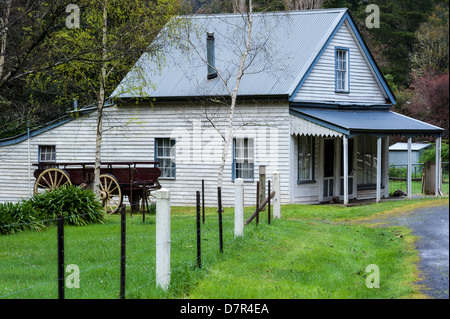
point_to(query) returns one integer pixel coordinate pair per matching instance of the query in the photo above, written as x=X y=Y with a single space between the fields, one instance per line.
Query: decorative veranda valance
x=300 y=126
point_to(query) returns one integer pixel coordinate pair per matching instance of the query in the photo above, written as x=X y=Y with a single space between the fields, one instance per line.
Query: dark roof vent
x=210 y=51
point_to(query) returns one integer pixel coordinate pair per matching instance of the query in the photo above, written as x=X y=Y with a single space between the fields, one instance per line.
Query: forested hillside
x=44 y=66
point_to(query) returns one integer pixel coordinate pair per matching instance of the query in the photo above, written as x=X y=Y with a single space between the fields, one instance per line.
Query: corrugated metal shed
x=284 y=45
x=398 y=153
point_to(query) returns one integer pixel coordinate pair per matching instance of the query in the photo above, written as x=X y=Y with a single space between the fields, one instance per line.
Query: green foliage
x=152 y=208
x=18 y=217
x=398 y=23
x=132 y=25
x=402 y=171
x=431 y=48
x=397 y=171
x=430 y=154
x=78 y=206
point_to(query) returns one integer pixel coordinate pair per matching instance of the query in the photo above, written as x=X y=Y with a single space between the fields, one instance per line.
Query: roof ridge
x=268 y=13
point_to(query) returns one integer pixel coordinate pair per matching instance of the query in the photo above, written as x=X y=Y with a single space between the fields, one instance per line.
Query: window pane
x=305 y=160
x=341 y=70
x=165 y=155
x=243 y=158
x=47 y=153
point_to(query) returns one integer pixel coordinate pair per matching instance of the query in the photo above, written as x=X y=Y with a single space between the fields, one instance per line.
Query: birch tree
x=113 y=34
x=246 y=11
x=249 y=53
x=248 y=18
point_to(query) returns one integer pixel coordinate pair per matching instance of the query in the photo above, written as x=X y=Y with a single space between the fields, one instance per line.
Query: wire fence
x=92 y=257
x=398 y=178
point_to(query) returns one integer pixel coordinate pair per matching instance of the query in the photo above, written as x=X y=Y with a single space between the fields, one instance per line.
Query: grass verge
x=312 y=252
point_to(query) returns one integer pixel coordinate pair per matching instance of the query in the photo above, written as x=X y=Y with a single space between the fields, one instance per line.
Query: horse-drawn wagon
x=135 y=180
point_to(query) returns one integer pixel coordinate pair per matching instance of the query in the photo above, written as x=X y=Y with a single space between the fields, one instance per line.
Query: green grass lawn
x=416 y=186
x=312 y=252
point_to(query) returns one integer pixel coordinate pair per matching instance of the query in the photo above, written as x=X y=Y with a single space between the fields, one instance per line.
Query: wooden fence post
x=262 y=184
x=238 y=207
x=276 y=199
x=163 y=238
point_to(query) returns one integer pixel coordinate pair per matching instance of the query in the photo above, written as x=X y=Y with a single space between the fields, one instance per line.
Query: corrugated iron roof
x=284 y=44
x=404 y=146
x=357 y=121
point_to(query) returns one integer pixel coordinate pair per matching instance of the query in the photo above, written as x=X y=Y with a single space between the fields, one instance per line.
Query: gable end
x=346 y=23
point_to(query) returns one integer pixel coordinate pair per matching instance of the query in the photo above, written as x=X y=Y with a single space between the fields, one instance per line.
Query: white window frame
x=47 y=154
x=342 y=70
x=243 y=158
x=168 y=146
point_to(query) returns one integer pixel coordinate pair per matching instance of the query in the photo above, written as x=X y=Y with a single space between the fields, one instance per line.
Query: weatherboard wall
x=129 y=135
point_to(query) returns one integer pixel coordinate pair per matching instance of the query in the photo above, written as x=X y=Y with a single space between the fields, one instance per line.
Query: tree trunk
x=239 y=6
x=4 y=28
x=101 y=103
x=229 y=134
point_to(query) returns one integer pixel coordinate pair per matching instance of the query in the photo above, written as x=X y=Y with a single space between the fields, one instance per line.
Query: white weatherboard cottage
x=312 y=105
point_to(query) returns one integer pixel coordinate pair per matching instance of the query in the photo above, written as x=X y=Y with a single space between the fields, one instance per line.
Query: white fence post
x=163 y=238
x=276 y=198
x=409 y=170
x=238 y=207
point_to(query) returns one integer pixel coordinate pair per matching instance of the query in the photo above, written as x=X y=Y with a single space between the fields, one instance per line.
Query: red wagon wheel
x=50 y=179
x=110 y=193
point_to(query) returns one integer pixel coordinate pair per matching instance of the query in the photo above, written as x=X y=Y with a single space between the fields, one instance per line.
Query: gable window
x=305 y=158
x=342 y=77
x=165 y=155
x=47 y=154
x=243 y=158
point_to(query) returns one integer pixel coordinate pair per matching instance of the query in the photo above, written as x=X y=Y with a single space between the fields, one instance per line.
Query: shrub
x=397 y=171
x=152 y=208
x=18 y=217
x=430 y=153
x=78 y=206
x=402 y=171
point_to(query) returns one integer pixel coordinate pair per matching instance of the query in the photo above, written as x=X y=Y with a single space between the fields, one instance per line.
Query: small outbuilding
x=398 y=153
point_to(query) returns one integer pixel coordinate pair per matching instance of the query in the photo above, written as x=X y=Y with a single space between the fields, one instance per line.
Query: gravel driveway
x=430 y=224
